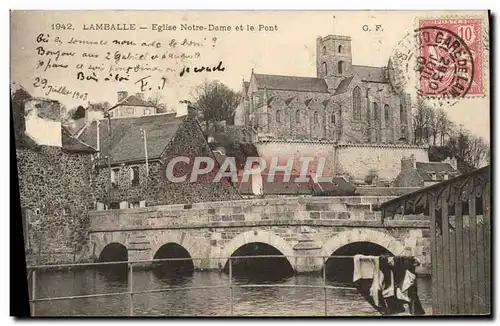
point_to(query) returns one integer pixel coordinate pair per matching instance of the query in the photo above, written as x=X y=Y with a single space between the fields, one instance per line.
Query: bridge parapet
x=335 y=211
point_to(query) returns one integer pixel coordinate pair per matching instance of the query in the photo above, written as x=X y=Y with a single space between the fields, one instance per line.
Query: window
x=129 y=110
x=445 y=176
x=402 y=115
x=340 y=48
x=147 y=112
x=115 y=177
x=341 y=67
x=332 y=118
x=134 y=204
x=356 y=103
x=114 y=206
x=278 y=116
x=324 y=50
x=325 y=68
x=111 y=114
x=433 y=175
x=375 y=111
x=134 y=175
x=297 y=116
x=315 y=118
x=387 y=112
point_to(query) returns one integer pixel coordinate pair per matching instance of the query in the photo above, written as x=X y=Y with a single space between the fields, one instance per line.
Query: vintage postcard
x=253 y=163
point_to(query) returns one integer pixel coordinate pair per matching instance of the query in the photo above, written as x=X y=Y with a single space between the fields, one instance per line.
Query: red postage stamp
x=451 y=57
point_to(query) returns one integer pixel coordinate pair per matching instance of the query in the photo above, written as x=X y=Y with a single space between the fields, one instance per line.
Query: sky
x=285 y=46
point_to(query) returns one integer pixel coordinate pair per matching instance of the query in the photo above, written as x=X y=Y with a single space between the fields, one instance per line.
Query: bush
x=372 y=175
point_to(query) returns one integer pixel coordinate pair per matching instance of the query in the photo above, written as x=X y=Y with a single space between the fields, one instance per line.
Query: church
x=348 y=112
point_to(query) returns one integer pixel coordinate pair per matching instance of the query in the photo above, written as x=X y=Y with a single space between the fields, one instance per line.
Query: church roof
x=370 y=74
x=343 y=85
x=292 y=83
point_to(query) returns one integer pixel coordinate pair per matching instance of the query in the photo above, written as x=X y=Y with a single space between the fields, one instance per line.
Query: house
x=131 y=106
x=423 y=174
x=55 y=185
x=134 y=157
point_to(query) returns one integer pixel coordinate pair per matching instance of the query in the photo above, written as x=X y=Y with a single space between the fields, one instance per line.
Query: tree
x=158 y=100
x=216 y=102
x=423 y=117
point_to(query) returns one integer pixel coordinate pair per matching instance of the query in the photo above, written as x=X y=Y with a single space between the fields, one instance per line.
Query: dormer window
x=433 y=176
x=445 y=176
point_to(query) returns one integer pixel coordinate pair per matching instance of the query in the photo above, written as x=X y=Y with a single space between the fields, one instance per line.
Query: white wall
x=44 y=131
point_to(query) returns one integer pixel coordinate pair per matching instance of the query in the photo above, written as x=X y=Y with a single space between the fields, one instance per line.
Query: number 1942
x=59 y=26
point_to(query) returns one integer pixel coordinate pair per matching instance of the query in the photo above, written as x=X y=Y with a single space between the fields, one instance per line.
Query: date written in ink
x=58 y=89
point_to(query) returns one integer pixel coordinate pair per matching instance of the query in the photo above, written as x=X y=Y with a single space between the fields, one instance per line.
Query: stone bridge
x=298 y=227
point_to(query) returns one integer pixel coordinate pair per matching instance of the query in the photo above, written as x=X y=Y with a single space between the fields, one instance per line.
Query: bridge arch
x=183 y=239
x=108 y=238
x=265 y=237
x=382 y=239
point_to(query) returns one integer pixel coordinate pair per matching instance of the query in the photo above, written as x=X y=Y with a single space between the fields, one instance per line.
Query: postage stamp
x=451 y=50
x=442 y=59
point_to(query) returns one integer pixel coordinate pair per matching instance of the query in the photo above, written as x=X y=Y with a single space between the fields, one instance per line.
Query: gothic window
x=356 y=103
x=341 y=67
x=324 y=50
x=340 y=48
x=278 y=117
x=332 y=118
x=387 y=112
x=297 y=116
x=325 y=68
x=315 y=118
x=375 y=111
x=402 y=114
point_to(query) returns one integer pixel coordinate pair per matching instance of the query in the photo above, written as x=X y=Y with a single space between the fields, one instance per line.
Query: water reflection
x=196 y=302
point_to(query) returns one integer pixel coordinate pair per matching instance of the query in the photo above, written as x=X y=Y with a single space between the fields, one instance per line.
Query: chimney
x=452 y=161
x=139 y=96
x=122 y=95
x=408 y=163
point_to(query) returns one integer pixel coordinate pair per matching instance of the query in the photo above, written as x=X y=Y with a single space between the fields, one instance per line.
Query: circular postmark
x=434 y=62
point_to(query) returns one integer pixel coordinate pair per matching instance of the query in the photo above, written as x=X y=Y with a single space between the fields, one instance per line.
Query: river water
x=198 y=302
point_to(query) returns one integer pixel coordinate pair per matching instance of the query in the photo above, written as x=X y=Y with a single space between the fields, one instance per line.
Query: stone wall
x=56 y=191
x=295 y=226
x=297 y=149
x=358 y=160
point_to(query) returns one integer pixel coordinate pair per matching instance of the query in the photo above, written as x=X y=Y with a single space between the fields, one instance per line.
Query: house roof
x=293 y=83
x=72 y=144
x=371 y=74
x=278 y=186
x=426 y=169
x=132 y=100
x=343 y=85
x=126 y=141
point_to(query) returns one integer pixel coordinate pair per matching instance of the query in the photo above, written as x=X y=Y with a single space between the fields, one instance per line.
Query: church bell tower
x=333 y=59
